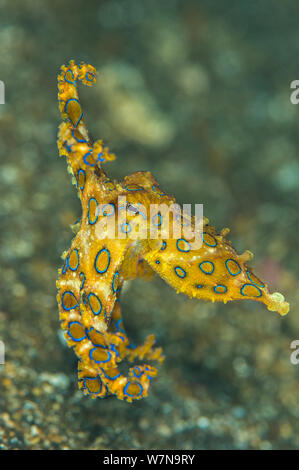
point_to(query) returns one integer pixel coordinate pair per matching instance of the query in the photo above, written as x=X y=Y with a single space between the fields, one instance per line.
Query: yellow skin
x=96 y=265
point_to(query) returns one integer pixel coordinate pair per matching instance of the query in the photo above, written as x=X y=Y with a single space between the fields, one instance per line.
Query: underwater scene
x=111 y=112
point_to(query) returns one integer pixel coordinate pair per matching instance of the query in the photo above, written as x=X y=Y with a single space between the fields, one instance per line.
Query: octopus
x=122 y=236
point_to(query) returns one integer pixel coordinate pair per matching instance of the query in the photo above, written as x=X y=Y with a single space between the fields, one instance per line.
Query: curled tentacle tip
x=278 y=304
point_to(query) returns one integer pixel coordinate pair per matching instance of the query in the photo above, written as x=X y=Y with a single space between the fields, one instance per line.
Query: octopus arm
x=89 y=290
x=83 y=156
x=214 y=272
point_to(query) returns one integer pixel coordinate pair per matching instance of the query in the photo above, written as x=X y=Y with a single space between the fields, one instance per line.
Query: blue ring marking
x=92 y=378
x=251 y=285
x=140 y=372
x=97 y=210
x=127 y=225
x=158 y=191
x=99 y=157
x=65 y=266
x=65 y=110
x=99 y=362
x=255 y=283
x=75 y=339
x=109 y=181
x=220 y=285
x=177 y=245
x=164 y=245
x=113 y=348
x=226 y=264
x=81 y=171
x=117 y=326
x=108 y=205
x=202 y=236
x=128 y=394
x=84 y=159
x=100 y=308
x=88 y=336
x=89 y=79
x=71 y=293
x=158 y=261
x=67 y=146
x=108 y=263
x=199 y=286
x=142 y=213
x=75 y=269
x=69 y=81
x=205 y=272
x=180 y=272
x=82 y=281
x=108 y=377
x=122 y=338
x=116 y=275
x=136 y=189
x=160 y=220
x=77 y=139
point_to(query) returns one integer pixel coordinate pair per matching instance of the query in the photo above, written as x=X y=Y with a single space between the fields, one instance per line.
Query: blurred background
x=197 y=92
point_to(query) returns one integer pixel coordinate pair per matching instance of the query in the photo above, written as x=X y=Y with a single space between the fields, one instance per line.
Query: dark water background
x=198 y=93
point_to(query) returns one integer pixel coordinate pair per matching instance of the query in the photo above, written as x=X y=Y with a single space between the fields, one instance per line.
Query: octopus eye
x=132 y=209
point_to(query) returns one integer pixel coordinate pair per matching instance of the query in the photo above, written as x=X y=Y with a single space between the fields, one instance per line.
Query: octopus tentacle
x=73 y=138
x=91 y=320
x=212 y=271
x=98 y=372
